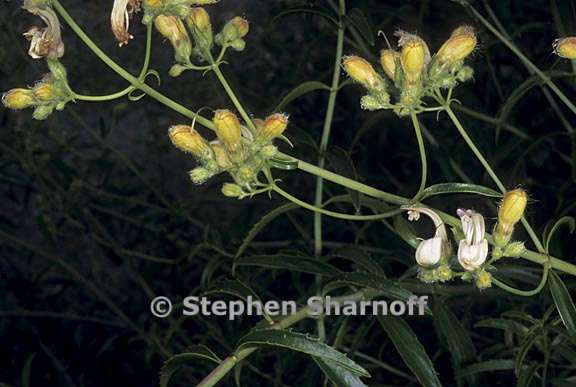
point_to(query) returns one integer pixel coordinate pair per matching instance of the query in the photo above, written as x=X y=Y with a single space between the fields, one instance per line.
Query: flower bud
x=513 y=206
x=238 y=45
x=273 y=126
x=483 y=280
x=18 y=99
x=221 y=155
x=443 y=273
x=460 y=44
x=173 y=29
x=189 y=140
x=427 y=276
x=228 y=129
x=465 y=74
x=246 y=174
x=514 y=249
x=565 y=47
x=241 y=25
x=388 y=62
x=269 y=151
x=199 y=23
x=42 y=112
x=360 y=70
x=414 y=56
x=234 y=30
x=232 y=190
x=153 y=4
x=200 y=175
x=44 y=92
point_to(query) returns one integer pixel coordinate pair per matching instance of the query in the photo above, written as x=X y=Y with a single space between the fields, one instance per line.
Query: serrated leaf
x=455 y=188
x=263 y=222
x=301 y=343
x=460 y=345
x=300 y=90
x=566 y=220
x=564 y=302
x=289 y=262
x=338 y=375
x=175 y=362
x=411 y=350
x=487 y=366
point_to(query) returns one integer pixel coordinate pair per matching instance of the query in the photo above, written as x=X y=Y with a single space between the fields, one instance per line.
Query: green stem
x=531 y=66
x=525 y=293
x=319 y=190
x=337 y=215
x=490 y=171
x=422 y=151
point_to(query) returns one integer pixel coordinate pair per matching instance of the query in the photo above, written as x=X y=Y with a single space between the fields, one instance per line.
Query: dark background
x=98 y=216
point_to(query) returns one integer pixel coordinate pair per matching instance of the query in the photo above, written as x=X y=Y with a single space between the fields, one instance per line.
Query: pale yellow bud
x=228 y=129
x=360 y=70
x=461 y=44
x=242 y=26
x=189 y=140
x=44 y=92
x=173 y=29
x=18 y=99
x=274 y=126
x=221 y=156
x=512 y=209
x=483 y=280
x=565 y=47
x=414 y=56
x=232 y=190
x=199 y=19
x=388 y=62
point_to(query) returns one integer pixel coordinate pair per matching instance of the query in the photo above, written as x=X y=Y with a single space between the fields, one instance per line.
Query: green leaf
x=458 y=340
x=526 y=375
x=27 y=371
x=234 y=287
x=404 y=230
x=527 y=343
x=487 y=366
x=338 y=375
x=567 y=220
x=300 y=90
x=263 y=222
x=289 y=262
x=301 y=343
x=360 y=257
x=410 y=349
x=564 y=302
x=455 y=188
x=175 y=362
x=389 y=288
x=343 y=165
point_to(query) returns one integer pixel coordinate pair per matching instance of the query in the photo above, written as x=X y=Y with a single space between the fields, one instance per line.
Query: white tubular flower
x=473 y=249
x=430 y=251
x=44 y=42
x=122 y=12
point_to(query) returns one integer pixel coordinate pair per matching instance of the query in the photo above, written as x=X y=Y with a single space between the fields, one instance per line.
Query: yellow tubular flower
x=242 y=26
x=414 y=56
x=360 y=70
x=44 y=92
x=199 y=19
x=461 y=44
x=565 y=47
x=388 y=62
x=18 y=99
x=173 y=29
x=228 y=129
x=274 y=126
x=512 y=208
x=189 y=140
x=153 y=4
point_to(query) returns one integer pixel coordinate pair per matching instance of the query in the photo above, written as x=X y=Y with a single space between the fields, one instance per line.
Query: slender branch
x=422 y=151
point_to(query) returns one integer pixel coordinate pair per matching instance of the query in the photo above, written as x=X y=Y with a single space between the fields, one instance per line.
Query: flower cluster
x=434 y=254
x=412 y=71
x=50 y=93
x=237 y=150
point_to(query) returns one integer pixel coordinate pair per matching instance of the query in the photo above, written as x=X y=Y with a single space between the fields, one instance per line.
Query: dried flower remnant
x=122 y=13
x=45 y=42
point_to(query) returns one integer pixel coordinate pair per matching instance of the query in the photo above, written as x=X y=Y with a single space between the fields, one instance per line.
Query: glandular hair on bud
x=228 y=129
x=565 y=47
x=18 y=99
x=273 y=126
x=232 y=190
x=189 y=140
x=388 y=62
x=360 y=70
x=512 y=208
x=414 y=56
x=461 y=43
